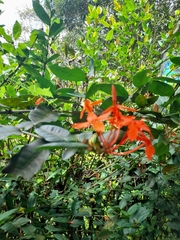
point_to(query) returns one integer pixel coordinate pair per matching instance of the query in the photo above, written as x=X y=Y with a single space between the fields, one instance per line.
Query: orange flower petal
x=98 y=126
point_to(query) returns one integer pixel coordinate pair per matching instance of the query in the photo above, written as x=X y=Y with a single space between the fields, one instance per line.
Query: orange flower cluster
x=115 y=118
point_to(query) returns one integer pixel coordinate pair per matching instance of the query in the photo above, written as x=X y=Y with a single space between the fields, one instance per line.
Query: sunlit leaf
x=42 y=114
x=64 y=73
x=28 y=161
x=52 y=133
x=109 y=35
x=141 y=101
x=17 y=30
x=141 y=78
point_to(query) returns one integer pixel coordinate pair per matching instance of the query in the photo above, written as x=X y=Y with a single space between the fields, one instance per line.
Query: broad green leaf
x=55 y=29
x=56 y=145
x=53 y=57
x=141 y=78
x=44 y=83
x=20 y=222
x=64 y=73
x=140 y=215
x=166 y=79
x=7 y=214
x=169 y=168
x=174 y=225
x=30 y=68
x=6 y=131
x=68 y=153
x=104 y=234
x=28 y=161
x=17 y=30
x=31 y=202
x=60 y=237
x=132 y=209
x=36 y=91
x=109 y=35
x=52 y=133
x=11 y=92
x=29 y=229
x=41 y=13
x=10 y=228
x=175 y=60
x=104 y=23
x=161 y=148
x=42 y=114
x=23 y=101
x=152 y=100
x=141 y=101
x=120 y=91
x=7 y=37
x=161 y=88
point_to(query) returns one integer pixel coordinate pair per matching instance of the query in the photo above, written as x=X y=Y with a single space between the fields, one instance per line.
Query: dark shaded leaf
x=52 y=133
x=6 y=131
x=10 y=228
x=175 y=60
x=55 y=29
x=42 y=114
x=64 y=73
x=28 y=161
x=41 y=13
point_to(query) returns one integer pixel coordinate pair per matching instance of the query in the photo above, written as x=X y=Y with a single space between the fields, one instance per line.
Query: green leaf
x=161 y=148
x=8 y=227
x=166 y=79
x=52 y=133
x=7 y=214
x=20 y=222
x=28 y=161
x=60 y=237
x=46 y=84
x=31 y=202
x=174 y=225
x=41 y=13
x=55 y=29
x=17 y=30
x=68 y=153
x=104 y=234
x=120 y=91
x=6 y=131
x=42 y=114
x=161 y=88
x=56 y=145
x=109 y=35
x=141 y=101
x=11 y=92
x=141 y=78
x=140 y=215
x=152 y=100
x=64 y=73
x=53 y=57
x=19 y=102
x=25 y=125
x=31 y=70
x=175 y=60
x=36 y=91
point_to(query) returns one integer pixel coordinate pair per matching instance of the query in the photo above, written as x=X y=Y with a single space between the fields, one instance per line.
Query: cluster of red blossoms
x=116 y=120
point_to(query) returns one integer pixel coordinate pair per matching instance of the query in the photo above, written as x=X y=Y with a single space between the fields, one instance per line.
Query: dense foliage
x=109 y=169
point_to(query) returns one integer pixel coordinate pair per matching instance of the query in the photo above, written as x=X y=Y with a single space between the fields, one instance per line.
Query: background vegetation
x=51 y=185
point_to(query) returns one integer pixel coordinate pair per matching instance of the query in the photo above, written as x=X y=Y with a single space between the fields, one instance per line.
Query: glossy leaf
x=28 y=161
x=141 y=78
x=42 y=114
x=64 y=73
x=17 y=30
x=6 y=131
x=41 y=13
x=109 y=35
x=10 y=228
x=161 y=88
x=52 y=133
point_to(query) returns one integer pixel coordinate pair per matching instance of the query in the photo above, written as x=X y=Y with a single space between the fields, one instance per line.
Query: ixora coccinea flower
x=113 y=119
